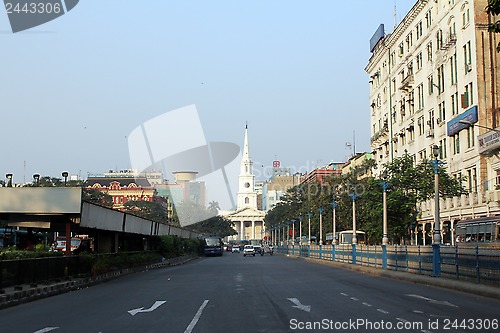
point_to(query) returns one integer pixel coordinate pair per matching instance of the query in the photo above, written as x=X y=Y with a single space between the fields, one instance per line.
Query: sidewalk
x=25 y=293
x=457 y=285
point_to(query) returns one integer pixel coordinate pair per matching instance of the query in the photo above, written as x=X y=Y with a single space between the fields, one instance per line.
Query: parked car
x=248 y=250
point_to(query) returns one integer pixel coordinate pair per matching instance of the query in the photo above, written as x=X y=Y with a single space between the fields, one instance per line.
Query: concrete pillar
x=253 y=229
x=242 y=230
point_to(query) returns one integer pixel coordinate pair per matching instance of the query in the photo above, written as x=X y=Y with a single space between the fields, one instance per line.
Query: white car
x=235 y=248
x=248 y=250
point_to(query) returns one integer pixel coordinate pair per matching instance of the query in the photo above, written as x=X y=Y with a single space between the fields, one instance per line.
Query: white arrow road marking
x=197 y=316
x=152 y=308
x=46 y=329
x=430 y=300
x=299 y=305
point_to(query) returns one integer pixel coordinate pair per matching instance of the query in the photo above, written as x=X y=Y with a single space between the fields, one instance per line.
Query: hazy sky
x=74 y=88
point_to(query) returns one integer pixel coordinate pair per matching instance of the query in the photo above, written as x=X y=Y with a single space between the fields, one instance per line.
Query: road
x=254 y=294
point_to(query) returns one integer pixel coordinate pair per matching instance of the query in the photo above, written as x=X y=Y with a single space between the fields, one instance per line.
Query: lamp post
x=465 y=122
x=334 y=223
x=293 y=232
x=320 y=209
x=300 y=230
x=65 y=175
x=9 y=179
x=354 y=238
x=36 y=178
x=309 y=223
x=385 y=185
x=436 y=163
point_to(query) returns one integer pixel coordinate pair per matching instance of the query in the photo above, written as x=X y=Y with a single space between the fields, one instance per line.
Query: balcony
x=407 y=83
x=429 y=133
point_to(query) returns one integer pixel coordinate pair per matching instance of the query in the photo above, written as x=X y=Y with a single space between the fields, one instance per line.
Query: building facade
x=434 y=81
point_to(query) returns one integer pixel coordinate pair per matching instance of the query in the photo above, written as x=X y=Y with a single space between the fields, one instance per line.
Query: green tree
x=493 y=8
x=215 y=225
x=149 y=210
x=97 y=197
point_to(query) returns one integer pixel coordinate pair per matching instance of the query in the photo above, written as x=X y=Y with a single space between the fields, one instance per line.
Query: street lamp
x=320 y=225
x=293 y=232
x=65 y=175
x=466 y=122
x=385 y=185
x=9 y=179
x=36 y=178
x=309 y=223
x=300 y=230
x=436 y=163
x=354 y=237
x=334 y=222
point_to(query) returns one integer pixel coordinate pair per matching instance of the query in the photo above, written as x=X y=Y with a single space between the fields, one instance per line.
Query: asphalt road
x=254 y=294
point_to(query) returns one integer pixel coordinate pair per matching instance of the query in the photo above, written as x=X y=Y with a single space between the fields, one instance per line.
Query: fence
x=480 y=264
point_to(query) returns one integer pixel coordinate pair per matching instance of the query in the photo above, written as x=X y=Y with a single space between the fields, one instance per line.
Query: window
x=454 y=104
x=453 y=69
x=401 y=49
x=409 y=41
x=442 y=148
x=430 y=122
x=497 y=178
x=422 y=155
x=430 y=84
x=418 y=60
x=429 y=51
x=467 y=57
x=440 y=78
x=420 y=93
x=467 y=97
x=418 y=30
x=421 y=125
x=411 y=103
x=456 y=144
x=465 y=16
x=393 y=58
x=247 y=200
x=428 y=18
x=442 y=111
x=470 y=137
x=439 y=39
x=394 y=86
x=472 y=180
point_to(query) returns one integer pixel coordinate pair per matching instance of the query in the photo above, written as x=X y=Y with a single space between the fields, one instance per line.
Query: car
x=268 y=249
x=235 y=249
x=248 y=250
x=259 y=249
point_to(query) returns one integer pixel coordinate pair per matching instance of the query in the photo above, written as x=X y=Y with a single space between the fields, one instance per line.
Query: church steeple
x=247 y=196
x=246 y=155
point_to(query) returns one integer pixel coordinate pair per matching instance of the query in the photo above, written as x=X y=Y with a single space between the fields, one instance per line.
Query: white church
x=247 y=218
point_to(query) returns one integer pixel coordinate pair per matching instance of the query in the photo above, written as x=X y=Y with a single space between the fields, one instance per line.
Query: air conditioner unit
x=468 y=67
x=429 y=133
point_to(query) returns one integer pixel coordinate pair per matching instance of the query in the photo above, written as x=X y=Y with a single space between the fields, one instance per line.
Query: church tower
x=247 y=196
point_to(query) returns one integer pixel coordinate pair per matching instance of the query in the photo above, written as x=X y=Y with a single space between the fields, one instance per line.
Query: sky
x=73 y=89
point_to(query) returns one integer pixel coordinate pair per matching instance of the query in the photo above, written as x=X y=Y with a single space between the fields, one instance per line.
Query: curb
x=33 y=293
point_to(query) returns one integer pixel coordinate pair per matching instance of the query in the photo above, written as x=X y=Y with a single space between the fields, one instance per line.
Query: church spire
x=246 y=155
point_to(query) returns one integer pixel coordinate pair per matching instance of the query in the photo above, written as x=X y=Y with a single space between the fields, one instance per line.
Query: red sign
x=276 y=164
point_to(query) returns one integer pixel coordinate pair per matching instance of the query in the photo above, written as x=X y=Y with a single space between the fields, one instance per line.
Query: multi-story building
x=122 y=186
x=357 y=161
x=434 y=81
x=276 y=187
x=321 y=174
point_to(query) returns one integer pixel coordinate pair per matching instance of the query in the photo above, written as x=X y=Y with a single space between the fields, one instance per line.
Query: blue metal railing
x=477 y=263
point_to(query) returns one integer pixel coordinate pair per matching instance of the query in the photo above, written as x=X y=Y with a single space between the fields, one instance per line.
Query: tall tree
x=493 y=8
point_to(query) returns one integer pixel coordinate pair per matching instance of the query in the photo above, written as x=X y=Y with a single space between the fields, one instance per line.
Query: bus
x=214 y=246
x=482 y=229
x=345 y=237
